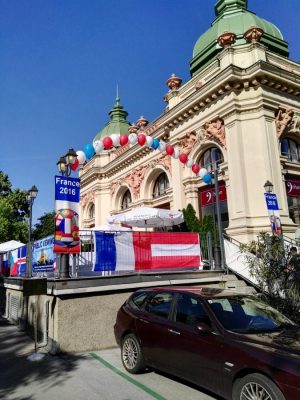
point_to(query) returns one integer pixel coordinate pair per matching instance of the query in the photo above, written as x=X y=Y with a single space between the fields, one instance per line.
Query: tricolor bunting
x=136 y=251
x=18 y=262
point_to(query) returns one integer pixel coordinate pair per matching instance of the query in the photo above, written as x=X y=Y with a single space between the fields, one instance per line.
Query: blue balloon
x=89 y=151
x=207 y=179
x=155 y=144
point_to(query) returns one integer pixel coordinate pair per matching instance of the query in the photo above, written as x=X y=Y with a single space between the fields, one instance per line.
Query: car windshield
x=247 y=314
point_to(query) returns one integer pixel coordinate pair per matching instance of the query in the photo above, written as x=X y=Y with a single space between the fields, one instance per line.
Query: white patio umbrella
x=87 y=234
x=147 y=217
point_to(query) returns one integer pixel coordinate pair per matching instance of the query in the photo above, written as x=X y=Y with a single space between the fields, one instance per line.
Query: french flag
x=136 y=251
x=18 y=262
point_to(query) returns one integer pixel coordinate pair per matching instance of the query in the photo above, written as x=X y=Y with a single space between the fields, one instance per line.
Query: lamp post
x=268 y=186
x=30 y=197
x=218 y=209
x=64 y=165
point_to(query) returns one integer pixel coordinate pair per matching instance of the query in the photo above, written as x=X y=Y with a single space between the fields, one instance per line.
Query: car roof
x=205 y=292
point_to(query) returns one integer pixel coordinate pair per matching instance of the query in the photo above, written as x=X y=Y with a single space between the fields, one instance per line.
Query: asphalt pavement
x=97 y=375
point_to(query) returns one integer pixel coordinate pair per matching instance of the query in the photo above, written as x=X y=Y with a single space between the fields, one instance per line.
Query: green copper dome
x=233 y=16
x=117 y=124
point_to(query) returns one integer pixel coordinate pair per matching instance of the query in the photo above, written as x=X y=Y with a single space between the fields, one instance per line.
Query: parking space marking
x=146 y=389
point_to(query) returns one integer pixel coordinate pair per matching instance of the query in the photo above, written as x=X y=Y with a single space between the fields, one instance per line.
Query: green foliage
x=44 y=227
x=193 y=224
x=275 y=273
x=191 y=220
x=13 y=210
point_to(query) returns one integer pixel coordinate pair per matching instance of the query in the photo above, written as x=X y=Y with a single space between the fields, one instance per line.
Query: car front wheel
x=131 y=353
x=256 y=387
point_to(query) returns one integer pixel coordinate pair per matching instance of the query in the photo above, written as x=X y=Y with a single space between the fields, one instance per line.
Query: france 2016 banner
x=17 y=261
x=67 y=194
x=43 y=258
x=132 y=251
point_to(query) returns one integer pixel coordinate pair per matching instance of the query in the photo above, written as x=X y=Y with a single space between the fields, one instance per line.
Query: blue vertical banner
x=67 y=195
x=273 y=210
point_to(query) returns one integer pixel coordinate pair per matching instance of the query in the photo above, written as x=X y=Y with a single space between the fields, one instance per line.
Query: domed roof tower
x=233 y=16
x=117 y=124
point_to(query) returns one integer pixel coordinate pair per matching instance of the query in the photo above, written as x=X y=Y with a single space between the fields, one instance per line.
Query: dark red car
x=232 y=344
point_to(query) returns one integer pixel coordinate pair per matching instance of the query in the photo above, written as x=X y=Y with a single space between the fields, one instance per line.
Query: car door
x=152 y=328
x=195 y=356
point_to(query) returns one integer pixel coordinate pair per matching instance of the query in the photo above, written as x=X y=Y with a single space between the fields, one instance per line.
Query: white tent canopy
x=147 y=217
x=10 y=245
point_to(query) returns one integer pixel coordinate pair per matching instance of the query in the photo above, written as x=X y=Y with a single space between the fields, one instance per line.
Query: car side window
x=137 y=299
x=159 y=304
x=190 y=311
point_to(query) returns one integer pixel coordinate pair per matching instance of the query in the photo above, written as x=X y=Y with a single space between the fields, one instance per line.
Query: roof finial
x=118 y=98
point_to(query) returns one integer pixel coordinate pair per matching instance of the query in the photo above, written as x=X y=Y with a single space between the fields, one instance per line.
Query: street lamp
x=64 y=165
x=30 y=197
x=268 y=187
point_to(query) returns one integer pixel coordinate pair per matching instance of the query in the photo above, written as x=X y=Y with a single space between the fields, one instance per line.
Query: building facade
x=241 y=106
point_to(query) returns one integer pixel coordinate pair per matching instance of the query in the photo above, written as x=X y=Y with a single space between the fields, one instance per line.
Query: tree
x=45 y=226
x=269 y=263
x=13 y=210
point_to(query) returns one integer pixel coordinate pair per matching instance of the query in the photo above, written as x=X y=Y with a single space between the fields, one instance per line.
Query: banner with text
x=43 y=258
x=67 y=195
x=273 y=210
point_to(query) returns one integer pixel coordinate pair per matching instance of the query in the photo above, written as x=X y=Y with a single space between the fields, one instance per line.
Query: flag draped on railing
x=132 y=251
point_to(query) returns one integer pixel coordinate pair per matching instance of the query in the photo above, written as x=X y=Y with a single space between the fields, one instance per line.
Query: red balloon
x=123 y=140
x=75 y=165
x=195 y=168
x=107 y=142
x=170 y=149
x=183 y=157
x=141 y=139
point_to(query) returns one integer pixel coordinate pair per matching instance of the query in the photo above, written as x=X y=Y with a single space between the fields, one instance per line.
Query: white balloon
x=189 y=162
x=116 y=139
x=98 y=146
x=149 y=140
x=81 y=157
x=162 y=146
x=176 y=153
x=132 y=137
x=202 y=172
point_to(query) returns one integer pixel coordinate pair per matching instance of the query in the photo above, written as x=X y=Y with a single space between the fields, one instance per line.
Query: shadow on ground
x=17 y=372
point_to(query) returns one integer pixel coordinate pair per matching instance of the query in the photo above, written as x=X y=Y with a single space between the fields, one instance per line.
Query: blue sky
x=62 y=59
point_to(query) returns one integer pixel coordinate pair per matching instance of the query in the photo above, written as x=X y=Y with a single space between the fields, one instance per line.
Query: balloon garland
x=116 y=140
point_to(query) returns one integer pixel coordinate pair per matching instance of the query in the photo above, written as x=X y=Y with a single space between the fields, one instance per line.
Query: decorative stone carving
x=121 y=150
x=215 y=130
x=133 y=129
x=253 y=34
x=135 y=178
x=283 y=119
x=294 y=126
x=84 y=200
x=113 y=188
x=142 y=122
x=174 y=82
x=92 y=196
x=226 y=39
x=188 y=142
x=198 y=85
x=165 y=161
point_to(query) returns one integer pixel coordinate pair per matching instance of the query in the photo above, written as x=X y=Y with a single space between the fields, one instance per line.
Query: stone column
x=253 y=158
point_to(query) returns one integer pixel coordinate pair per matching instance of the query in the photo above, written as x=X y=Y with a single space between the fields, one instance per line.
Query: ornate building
x=241 y=104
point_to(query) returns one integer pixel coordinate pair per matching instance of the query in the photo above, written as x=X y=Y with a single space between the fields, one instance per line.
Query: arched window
x=209 y=156
x=290 y=149
x=92 y=211
x=161 y=185
x=126 y=200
